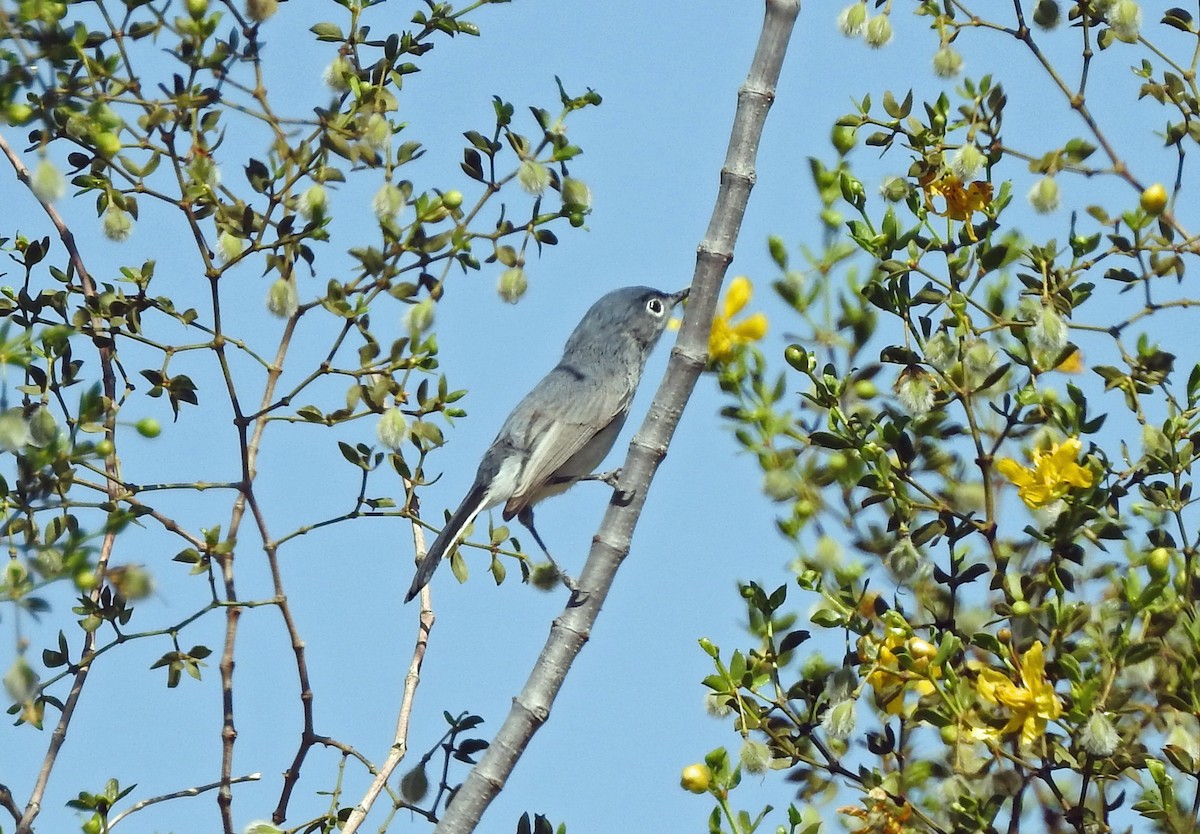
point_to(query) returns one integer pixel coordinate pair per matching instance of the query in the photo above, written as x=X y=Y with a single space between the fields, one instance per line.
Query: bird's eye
x=655 y=306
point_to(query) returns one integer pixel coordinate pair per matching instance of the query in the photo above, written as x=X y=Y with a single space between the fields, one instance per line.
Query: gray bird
x=565 y=426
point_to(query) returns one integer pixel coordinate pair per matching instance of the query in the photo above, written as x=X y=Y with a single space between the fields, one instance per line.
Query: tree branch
x=531 y=707
x=399 y=748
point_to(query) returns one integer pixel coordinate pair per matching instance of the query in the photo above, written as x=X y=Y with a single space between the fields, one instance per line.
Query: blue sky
x=631 y=714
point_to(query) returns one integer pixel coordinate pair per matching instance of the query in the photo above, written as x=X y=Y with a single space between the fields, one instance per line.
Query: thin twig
x=400 y=743
x=109 y=382
x=186 y=792
x=570 y=631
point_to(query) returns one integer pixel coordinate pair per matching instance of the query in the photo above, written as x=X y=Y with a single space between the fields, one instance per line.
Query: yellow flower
x=1052 y=475
x=961 y=200
x=1031 y=699
x=881 y=815
x=1072 y=364
x=726 y=337
x=889 y=680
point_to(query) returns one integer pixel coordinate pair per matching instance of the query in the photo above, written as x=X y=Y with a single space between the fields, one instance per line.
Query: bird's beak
x=680 y=296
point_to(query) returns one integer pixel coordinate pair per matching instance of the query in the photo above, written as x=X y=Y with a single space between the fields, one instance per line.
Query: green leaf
x=329 y=32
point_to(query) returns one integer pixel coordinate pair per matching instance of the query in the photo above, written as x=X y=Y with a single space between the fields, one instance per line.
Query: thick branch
x=569 y=632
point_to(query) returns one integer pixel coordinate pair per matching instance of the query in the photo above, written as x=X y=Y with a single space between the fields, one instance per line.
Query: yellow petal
x=752 y=329
x=738 y=295
x=1014 y=471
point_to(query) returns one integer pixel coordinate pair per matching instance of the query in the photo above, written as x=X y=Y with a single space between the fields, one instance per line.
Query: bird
x=565 y=426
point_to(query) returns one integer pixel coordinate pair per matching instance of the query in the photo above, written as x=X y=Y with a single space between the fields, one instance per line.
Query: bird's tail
x=446 y=540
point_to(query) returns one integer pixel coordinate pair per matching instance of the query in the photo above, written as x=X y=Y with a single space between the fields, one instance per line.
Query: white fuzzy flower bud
x=282 y=298
x=392 y=429
x=314 y=202
x=904 y=561
x=966 y=161
x=717 y=705
x=419 y=317
x=512 y=285
x=229 y=246
x=941 y=351
x=117 y=224
x=14 y=430
x=260 y=10
x=1049 y=331
x=916 y=390
x=1125 y=18
x=48 y=183
x=336 y=74
x=879 y=31
x=755 y=756
x=839 y=719
x=388 y=202
x=947 y=63
x=1044 y=195
x=533 y=176
x=576 y=196
x=378 y=133
x=1099 y=737
x=852 y=19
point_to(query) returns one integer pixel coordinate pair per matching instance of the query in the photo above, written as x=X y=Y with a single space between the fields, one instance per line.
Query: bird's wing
x=561 y=415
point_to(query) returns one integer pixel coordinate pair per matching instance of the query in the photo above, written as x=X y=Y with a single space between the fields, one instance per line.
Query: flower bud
x=941 y=351
x=979 y=360
x=337 y=73
x=14 y=430
x=852 y=19
x=415 y=784
x=1125 y=18
x=378 y=133
x=18 y=113
x=392 y=429
x=966 y=161
x=879 y=31
x=148 y=427
x=576 y=196
x=1047 y=14
x=282 y=298
x=947 y=63
x=229 y=246
x=42 y=428
x=894 y=189
x=1100 y=737
x=696 y=778
x=262 y=827
x=419 y=317
x=107 y=143
x=388 y=202
x=904 y=561
x=512 y=285
x=843 y=138
x=1049 y=331
x=1044 y=195
x=533 y=177
x=197 y=8
x=49 y=184
x=779 y=485
x=314 y=202
x=840 y=719
x=1154 y=199
x=204 y=170
x=916 y=390
x=260 y=10
x=755 y=756
x=117 y=224
x=452 y=199
x=717 y=705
